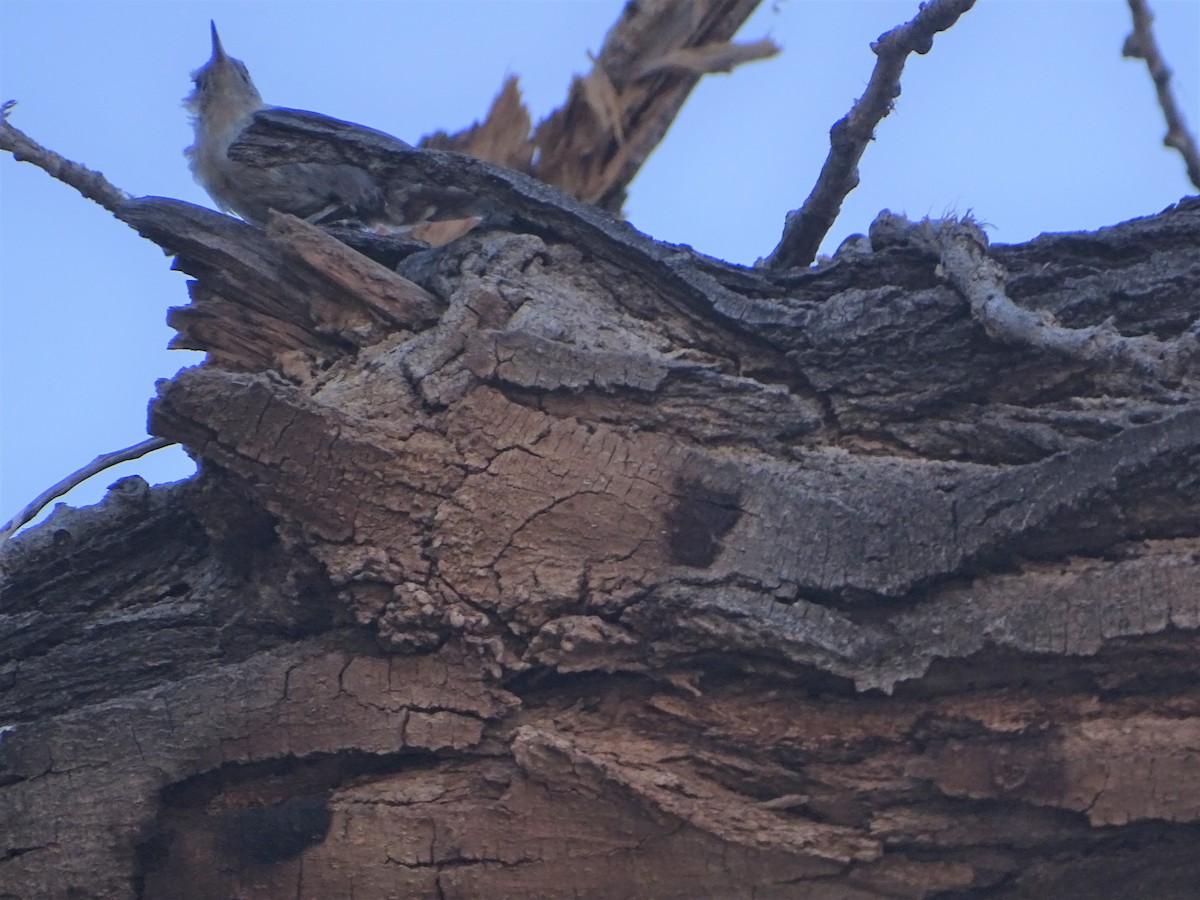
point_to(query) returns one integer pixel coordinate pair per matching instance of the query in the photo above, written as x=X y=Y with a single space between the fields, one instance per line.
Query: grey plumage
x=224 y=102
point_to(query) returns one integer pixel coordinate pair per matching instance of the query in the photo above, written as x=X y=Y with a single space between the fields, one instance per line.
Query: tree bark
x=559 y=562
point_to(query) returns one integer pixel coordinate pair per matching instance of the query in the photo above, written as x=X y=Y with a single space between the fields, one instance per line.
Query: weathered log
x=558 y=561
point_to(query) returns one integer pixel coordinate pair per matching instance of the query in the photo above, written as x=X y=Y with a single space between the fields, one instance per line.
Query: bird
x=223 y=105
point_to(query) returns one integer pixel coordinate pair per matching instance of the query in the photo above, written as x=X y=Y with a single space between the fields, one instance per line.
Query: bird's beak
x=218 y=52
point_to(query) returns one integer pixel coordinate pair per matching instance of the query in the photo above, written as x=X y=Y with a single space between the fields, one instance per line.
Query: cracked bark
x=558 y=561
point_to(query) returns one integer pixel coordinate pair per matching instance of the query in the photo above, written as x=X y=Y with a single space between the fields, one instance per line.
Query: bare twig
x=91 y=184
x=1141 y=45
x=95 y=467
x=962 y=248
x=806 y=227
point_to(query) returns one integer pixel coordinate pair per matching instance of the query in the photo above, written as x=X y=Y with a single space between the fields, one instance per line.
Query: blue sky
x=1025 y=113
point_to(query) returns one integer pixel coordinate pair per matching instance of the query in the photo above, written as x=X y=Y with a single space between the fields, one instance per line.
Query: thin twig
x=95 y=467
x=1141 y=45
x=806 y=227
x=963 y=250
x=91 y=184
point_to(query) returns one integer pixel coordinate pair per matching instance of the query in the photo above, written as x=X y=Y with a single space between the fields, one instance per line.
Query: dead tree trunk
x=558 y=561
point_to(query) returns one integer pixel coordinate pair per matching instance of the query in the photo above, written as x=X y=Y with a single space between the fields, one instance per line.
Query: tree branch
x=596 y=142
x=806 y=227
x=614 y=117
x=95 y=467
x=92 y=185
x=1141 y=45
x=962 y=248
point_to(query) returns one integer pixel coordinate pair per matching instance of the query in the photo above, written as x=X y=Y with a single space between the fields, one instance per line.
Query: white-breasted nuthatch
x=223 y=105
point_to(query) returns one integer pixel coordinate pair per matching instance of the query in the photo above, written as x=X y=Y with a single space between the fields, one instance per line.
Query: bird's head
x=224 y=92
